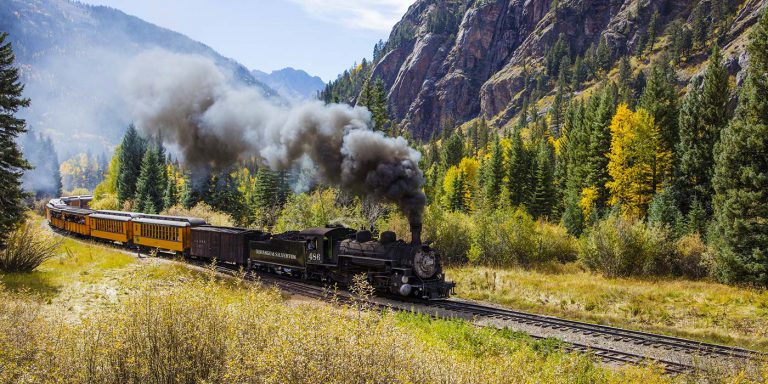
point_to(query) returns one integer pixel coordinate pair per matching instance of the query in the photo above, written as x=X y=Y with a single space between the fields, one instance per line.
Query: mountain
x=290 y=83
x=71 y=55
x=454 y=61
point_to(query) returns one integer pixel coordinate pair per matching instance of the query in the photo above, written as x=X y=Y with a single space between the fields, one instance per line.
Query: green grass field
x=700 y=310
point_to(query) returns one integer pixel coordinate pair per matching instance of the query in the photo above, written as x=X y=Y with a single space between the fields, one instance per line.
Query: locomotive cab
x=406 y=269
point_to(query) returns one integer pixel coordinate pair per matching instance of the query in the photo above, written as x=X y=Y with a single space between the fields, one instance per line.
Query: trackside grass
x=695 y=309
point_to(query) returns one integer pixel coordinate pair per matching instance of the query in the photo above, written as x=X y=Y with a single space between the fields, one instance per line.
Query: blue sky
x=322 y=37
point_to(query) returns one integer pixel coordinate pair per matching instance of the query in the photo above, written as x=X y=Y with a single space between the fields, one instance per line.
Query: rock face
x=438 y=71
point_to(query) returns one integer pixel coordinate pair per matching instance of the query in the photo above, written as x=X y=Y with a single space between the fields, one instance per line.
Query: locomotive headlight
x=404 y=279
x=425 y=264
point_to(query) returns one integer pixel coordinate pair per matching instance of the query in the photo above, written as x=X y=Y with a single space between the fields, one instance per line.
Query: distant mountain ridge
x=70 y=55
x=291 y=83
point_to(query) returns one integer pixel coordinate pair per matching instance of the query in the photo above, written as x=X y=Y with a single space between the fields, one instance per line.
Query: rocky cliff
x=460 y=60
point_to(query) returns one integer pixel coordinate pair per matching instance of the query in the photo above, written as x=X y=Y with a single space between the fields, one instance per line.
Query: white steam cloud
x=192 y=104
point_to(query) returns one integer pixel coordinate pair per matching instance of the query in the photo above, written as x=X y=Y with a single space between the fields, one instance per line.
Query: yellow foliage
x=77 y=192
x=203 y=211
x=587 y=203
x=636 y=163
x=471 y=169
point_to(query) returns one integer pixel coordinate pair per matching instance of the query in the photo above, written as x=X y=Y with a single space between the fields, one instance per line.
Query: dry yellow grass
x=94 y=314
x=701 y=310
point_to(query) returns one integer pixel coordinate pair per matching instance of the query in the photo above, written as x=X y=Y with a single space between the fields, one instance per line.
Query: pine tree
x=603 y=56
x=453 y=150
x=543 y=191
x=703 y=117
x=378 y=107
x=626 y=93
x=161 y=157
x=494 y=175
x=265 y=193
x=522 y=119
x=149 y=194
x=483 y=134
x=131 y=156
x=653 y=28
x=576 y=161
x=663 y=210
x=171 y=195
x=688 y=150
x=517 y=170
x=598 y=115
x=555 y=55
x=660 y=99
x=189 y=195
x=580 y=73
x=699 y=27
x=455 y=189
x=741 y=174
x=12 y=163
x=472 y=139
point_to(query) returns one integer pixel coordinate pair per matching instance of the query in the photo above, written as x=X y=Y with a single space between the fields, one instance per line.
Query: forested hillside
x=449 y=62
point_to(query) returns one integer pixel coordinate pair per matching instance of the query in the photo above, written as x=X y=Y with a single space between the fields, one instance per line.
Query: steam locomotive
x=333 y=254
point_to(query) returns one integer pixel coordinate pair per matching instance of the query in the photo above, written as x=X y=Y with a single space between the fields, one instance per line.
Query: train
x=331 y=254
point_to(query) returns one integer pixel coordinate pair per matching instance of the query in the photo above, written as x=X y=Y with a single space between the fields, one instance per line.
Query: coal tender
x=337 y=254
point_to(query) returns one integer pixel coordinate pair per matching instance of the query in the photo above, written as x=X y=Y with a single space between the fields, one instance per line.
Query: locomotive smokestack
x=416 y=233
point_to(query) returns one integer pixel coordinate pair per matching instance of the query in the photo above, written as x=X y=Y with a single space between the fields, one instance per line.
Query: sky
x=322 y=37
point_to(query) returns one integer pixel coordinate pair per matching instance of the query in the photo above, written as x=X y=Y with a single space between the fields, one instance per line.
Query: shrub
x=691 y=257
x=38 y=206
x=77 y=192
x=618 y=246
x=554 y=243
x=451 y=232
x=317 y=209
x=26 y=248
x=107 y=202
x=503 y=237
x=203 y=211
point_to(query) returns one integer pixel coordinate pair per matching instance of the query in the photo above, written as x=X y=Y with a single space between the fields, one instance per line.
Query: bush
x=619 y=247
x=554 y=243
x=38 y=206
x=106 y=202
x=26 y=248
x=691 y=257
x=203 y=211
x=317 y=209
x=451 y=232
x=77 y=192
x=503 y=237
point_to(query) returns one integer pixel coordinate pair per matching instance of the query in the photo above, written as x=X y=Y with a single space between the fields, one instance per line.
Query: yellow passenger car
x=112 y=225
x=168 y=233
x=76 y=220
x=54 y=216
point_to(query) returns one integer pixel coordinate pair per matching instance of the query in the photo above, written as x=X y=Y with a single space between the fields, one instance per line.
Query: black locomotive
x=337 y=254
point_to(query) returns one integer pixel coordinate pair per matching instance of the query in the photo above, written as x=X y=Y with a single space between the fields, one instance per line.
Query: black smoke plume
x=192 y=104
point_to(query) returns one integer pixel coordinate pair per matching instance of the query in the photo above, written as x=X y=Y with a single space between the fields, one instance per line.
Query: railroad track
x=321 y=293
x=668 y=343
